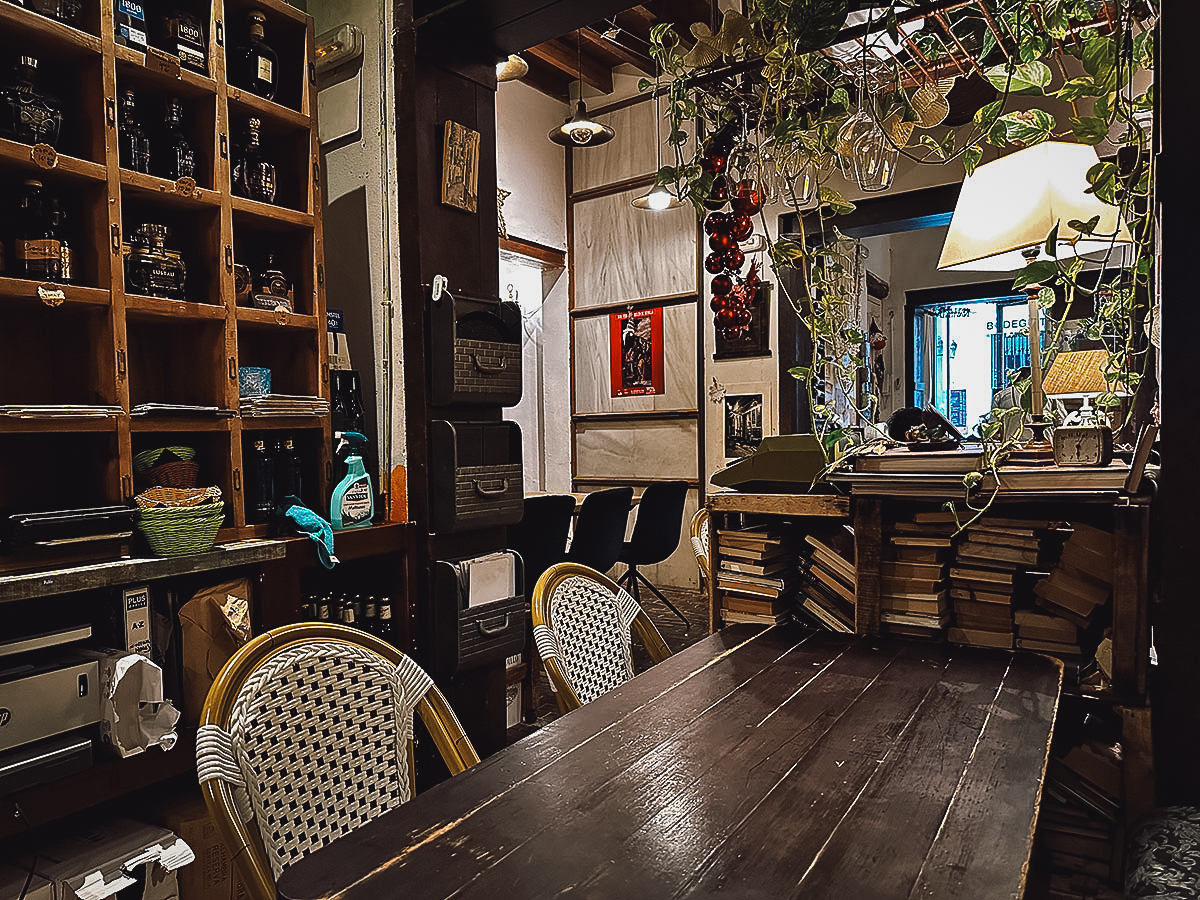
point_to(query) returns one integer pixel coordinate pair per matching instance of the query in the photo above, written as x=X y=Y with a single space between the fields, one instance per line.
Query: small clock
x=1083 y=445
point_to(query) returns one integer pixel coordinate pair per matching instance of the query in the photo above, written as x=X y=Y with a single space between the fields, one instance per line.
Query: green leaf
x=1028 y=126
x=1099 y=61
x=1076 y=88
x=644 y=84
x=1046 y=297
x=1089 y=129
x=1084 y=227
x=1052 y=242
x=677 y=137
x=841 y=97
x=1035 y=46
x=932 y=146
x=1103 y=180
x=801 y=373
x=971 y=157
x=1027 y=78
x=1035 y=273
x=987 y=115
x=835 y=202
x=787 y=250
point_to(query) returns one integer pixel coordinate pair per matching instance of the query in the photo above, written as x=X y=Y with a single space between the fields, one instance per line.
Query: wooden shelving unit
x=99 y=344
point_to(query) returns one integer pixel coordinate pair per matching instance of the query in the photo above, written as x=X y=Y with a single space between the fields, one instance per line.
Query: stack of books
x=1080 y=826
x=828 y=578
x=913 y=594
x=993 y=565
x=1080 y=583
x=756 y=576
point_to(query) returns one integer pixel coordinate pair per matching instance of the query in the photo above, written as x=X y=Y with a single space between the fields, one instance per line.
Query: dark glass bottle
x=133 y=146
x=178 y=158
x=370 y=621
x=260 y=500
x=255 y=66
x=184 y=36
x=289 y=471
x=387 y=628
x=26 y=114
x=324 y=613
x=348 y=617
x=130 y=30
x=253 y=176
x=39 y=254
x=58 y=232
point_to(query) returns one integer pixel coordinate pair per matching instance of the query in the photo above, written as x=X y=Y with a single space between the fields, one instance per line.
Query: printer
x=49 y=699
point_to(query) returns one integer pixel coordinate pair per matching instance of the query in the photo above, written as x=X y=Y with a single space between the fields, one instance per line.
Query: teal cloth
x=321 y=532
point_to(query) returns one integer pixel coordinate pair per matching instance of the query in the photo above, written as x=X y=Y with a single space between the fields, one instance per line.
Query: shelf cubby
x=293 y=248
x=291 y=153
x=212 y=455
x=78 y=371
x=199 y=126
x=83 y=209
x=285 y=352
x=43 y=34
x=180 y=361
x=306 y=440
x=195 y=233
x=288 y=32
x=77 y=468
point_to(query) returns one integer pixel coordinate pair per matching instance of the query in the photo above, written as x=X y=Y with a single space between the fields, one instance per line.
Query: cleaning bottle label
x=356 y=503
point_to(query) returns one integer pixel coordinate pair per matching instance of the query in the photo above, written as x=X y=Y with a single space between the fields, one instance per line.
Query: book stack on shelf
x=757 y=575
x=828 y=577
x=994 y=564
x=1080 y=833
x=1078 y=584
x=913 y=596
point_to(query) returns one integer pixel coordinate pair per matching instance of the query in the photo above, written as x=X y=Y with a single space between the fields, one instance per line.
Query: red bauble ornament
x=742 y=316
x=714 y=263
x=733 y=259
x=721 y=242
x=722 y=285
x=725 y=318
x=736 y=333
x=716 y=304
x=718 y=196
x=714 y=163
x=715 y=222
x=743 y=226
x=746 y=198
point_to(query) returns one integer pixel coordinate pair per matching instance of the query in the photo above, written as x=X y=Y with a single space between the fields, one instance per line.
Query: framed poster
x=743 y=424
x=636 y=342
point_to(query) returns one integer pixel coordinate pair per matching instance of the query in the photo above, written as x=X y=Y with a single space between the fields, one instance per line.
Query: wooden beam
x=565 y=58
x=548 y=79
x=543 y=254
x=626 y=54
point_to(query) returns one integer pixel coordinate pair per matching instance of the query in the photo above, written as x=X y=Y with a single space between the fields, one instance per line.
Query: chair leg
x=638 y=576
x=629 y=582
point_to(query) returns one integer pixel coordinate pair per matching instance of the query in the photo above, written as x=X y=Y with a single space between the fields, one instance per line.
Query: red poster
x=637 y=352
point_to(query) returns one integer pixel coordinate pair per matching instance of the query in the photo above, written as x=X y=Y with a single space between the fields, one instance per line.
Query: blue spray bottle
x=353 y=502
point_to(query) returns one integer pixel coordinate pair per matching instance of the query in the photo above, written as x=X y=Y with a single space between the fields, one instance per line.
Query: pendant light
x=581 y=130
x=658 y=198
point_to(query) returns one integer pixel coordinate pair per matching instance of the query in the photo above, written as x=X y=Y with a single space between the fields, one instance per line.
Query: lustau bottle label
x=356 y=503
x=266 y=70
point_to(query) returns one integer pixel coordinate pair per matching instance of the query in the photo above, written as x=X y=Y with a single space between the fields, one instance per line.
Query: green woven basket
x=177 y=530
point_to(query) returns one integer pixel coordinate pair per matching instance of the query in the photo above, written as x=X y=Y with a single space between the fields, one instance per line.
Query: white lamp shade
x=1012 y=204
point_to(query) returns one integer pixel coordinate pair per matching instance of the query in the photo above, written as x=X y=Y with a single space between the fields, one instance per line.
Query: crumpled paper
x=134 y=713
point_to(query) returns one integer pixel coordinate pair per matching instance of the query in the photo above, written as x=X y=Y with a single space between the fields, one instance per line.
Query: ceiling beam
x=640 y=61
x=547 y=79
x=516 y=25
x=566 y=59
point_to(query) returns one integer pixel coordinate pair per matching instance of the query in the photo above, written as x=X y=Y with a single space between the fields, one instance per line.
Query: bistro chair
x=582 y=625
x=700 y=524
x=599 y=534
x=656 y=534
x=307 y=734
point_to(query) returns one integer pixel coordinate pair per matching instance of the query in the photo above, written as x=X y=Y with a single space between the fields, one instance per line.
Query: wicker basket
x=178 y=474
x=170 y=496
x=148 y=458
x=176 y=530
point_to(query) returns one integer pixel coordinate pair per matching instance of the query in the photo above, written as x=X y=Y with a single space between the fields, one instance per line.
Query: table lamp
x=1083 y=439
x=1003 y=218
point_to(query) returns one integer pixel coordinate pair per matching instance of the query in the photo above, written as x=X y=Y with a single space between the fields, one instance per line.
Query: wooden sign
x=460 y=167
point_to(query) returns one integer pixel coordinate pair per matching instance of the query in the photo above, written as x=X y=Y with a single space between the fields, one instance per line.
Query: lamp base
x=1036 y=451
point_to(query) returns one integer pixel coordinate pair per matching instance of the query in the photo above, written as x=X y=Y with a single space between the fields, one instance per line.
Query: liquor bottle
x=184 y=36
x=260 y=500
x=255 y=66
x=178 y=158
x=370 y=622
x=153 y=270
x=58 y=233
x=26 y=114
x=387 y=628
x=289 y=468
x=130 y=30
x=348 y=616
x=271 y=287
x=133 y=146
x=253 y=176
x=39 y=253
x=324 y=614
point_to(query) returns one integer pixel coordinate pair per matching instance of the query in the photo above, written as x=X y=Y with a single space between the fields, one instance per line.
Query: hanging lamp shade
x=581 y=130
x=657 y=199
x=512 y=68
x=1012 y=204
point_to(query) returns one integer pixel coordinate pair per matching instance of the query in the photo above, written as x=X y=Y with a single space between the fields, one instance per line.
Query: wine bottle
x=255 y=65
x=386 y=628
x=179 y=160
x=289 y=471
x=261 y=497
x=130 y=30
x=133 y=146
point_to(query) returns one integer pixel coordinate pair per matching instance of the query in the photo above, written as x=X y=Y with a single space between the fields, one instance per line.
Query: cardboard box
x=135 y=602
x=95 y=864
x=213 y=876
x=12 y=880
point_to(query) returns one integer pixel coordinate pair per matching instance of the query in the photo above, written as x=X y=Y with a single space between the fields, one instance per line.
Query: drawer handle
x=495 y=629
x=487 y=369
x=491 y=492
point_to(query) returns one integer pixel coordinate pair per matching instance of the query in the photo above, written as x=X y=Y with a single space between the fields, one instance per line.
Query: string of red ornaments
x=732 y=294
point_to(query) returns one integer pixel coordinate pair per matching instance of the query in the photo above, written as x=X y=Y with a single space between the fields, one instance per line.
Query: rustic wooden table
x=759 y=763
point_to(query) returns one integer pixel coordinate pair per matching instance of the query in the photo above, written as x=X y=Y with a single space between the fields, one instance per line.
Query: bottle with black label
x=255 y=66
x=130 y=24
x=253 y=176
x=260 y=499
x=28 y=115
x=178 y=158
x=133 y=146
x=184 y=36
x=39 y=253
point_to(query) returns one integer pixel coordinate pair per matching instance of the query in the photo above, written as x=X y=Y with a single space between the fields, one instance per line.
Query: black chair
x=600 y=529
x=655 y=536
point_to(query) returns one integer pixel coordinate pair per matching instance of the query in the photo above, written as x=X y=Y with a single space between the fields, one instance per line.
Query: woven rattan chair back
x=700 y=524
x=307 y=734
x=581 y=626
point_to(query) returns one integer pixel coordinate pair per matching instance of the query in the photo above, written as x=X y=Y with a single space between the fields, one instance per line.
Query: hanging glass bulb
x=875 y=157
